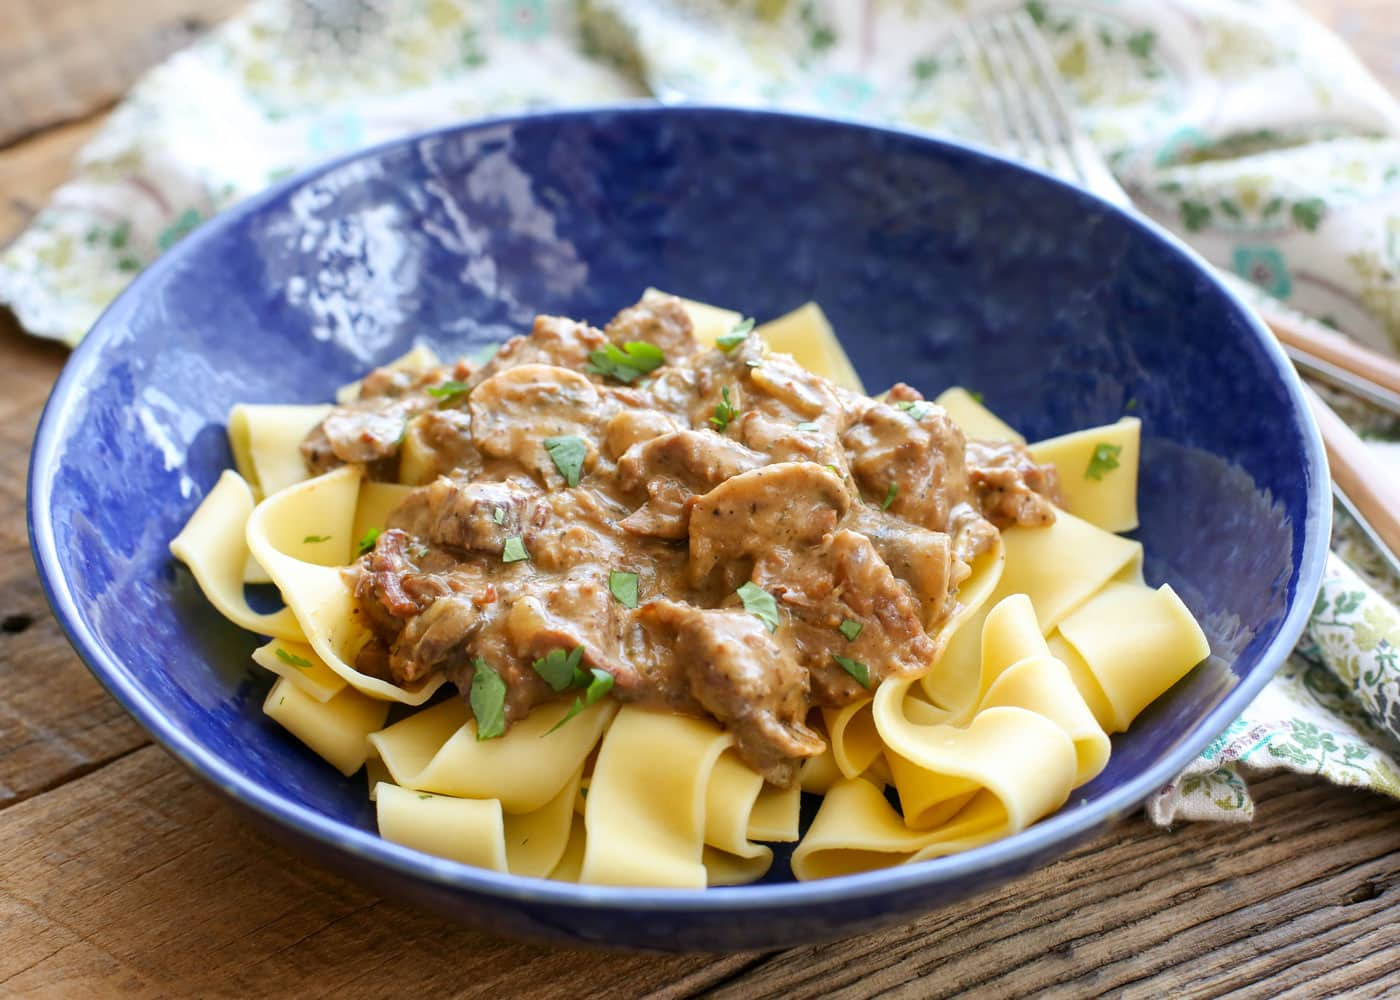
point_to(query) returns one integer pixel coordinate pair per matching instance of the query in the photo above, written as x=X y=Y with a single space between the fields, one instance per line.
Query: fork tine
x=1090 y=168
x=1053 y=132
x=975 y=62
x=1022 y=97
x=1010 y=104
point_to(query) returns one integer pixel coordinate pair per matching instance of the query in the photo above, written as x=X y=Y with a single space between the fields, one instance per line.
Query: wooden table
x=119 y=875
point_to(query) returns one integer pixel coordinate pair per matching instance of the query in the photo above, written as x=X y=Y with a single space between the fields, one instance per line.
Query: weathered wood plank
x=178 y=892
x=55 y=720
x=135 y=880
x=64 y=59
x=1305 y=896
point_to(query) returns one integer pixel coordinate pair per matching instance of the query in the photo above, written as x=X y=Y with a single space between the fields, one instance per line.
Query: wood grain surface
x=122 y=876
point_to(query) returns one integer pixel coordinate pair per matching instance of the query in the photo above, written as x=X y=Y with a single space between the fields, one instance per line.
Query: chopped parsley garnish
x=367 y=542
x=735 y=337
x=1130 y=405
x=624 y=587
x=917 y=409
x=293 y=659
x=834 y=470
x=1104 y=459
x=855 y=668
x=315 y=539
x=626 y=363
x=425 y=795
x=759 y=603
x=514 y=550
x=725 y=411
x=808 y=425
x=850 y=628
x=499 y=515
x=599 y=686
x=890 y=494
x=560 y=670
x=977 y=397
x=568 y=452
x=448 y=391
x=488 y=700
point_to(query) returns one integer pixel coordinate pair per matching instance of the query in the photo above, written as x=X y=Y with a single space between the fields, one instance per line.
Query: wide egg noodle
x=1061 y=566
x=213 y=546
x=376 y=502
x=1136 y=643
x=857 y=830
x=337 y=730
x=536 y=841
x=806 y=334
x=300 y=665
x=975 y=420
x=776 y=814
x=266 y=442
x=471 y=831
x=645 y=816
x=571 y=862
x=1043 y=685
x=1109 y=498
x=730 y=857
x=855 y=743
x=437 y=751
x=303 y=535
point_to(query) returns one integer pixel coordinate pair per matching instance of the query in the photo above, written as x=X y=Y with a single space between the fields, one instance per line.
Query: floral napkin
x=1241 y=124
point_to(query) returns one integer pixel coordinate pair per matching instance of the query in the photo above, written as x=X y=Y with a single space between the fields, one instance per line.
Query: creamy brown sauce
x=843 y=508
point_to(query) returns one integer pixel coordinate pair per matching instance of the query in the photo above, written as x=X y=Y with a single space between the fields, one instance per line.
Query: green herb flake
x=735 y=337
x=514 y=550
x=499 y=515
x=809 y=425
x=977 y=397
x=488 y=700
x=890 y=494
x=850 y=628
x=315 y=539
x=834 y=470
x=448 y=391
x=424 y=795
x=568 y=452
x=1130 y=405
x=626 y=363
x=1104 y=459
x=560 y=669
x=367 y=542
x=293 y=659
x=624 y=587
x=725 y=411
x=916 y=409
x=855 y=668
x=598 y=687
x=759 y=603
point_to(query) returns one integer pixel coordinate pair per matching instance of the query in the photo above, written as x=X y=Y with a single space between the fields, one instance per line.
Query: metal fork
x=1028 y=116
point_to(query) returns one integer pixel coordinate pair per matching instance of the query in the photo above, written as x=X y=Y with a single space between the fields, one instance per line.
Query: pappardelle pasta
x=682 y=570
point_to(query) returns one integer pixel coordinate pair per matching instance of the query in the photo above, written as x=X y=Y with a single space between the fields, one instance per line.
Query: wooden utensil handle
x=1334 y=347
x=1359 y=474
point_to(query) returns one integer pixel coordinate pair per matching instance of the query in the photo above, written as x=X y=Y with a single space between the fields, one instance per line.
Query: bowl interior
x=935 y=264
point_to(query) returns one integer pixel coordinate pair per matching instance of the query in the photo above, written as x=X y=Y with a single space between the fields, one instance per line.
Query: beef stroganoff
x=679 y=577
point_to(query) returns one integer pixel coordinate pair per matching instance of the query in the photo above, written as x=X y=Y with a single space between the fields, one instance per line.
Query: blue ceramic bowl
x=936 y=264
